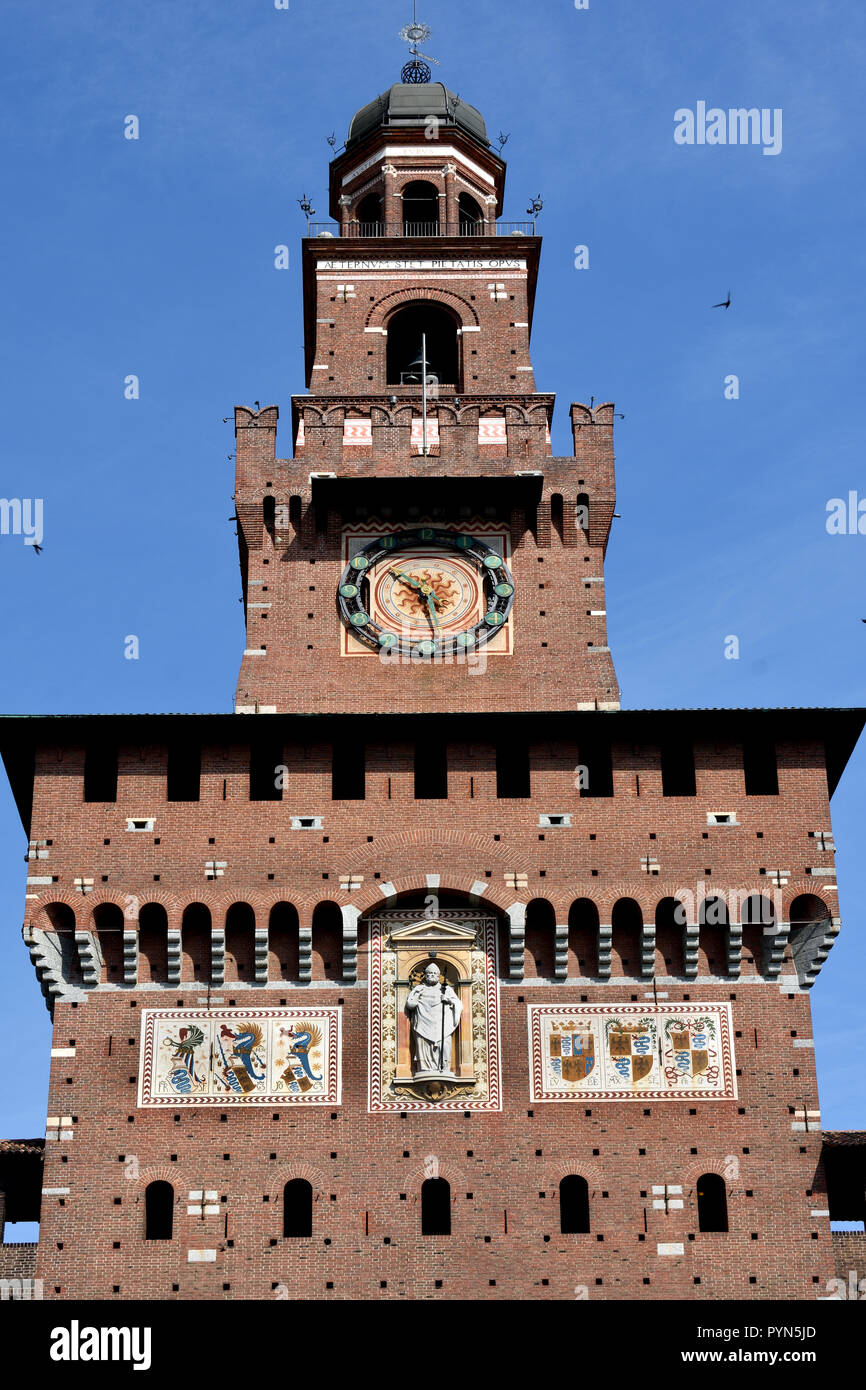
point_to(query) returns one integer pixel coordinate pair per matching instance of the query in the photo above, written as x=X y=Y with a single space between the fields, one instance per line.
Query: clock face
x=425 y=592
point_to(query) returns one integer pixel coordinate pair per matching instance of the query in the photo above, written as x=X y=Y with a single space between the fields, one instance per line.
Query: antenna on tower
x=418 y=69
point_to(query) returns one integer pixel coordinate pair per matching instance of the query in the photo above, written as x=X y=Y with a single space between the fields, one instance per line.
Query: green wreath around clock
x=354 y=589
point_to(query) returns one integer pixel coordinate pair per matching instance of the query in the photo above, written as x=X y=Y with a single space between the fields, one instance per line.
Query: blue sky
x=155 y=257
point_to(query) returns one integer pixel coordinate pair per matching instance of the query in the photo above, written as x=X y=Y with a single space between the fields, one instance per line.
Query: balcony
x=368 y=230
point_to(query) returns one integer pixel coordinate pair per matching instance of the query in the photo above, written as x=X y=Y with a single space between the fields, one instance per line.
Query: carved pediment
x=432 y=933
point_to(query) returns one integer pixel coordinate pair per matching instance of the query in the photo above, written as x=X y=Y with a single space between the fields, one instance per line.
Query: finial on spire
x=418 y=69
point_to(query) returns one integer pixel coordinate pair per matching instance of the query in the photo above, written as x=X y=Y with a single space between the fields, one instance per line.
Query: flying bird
x=38 y=551
x=725 y=304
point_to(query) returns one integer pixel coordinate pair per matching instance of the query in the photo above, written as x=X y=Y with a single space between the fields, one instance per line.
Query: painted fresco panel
x=201 y=1057
x=631 y=1052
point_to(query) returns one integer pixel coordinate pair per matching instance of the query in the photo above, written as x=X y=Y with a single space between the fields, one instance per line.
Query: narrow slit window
x=431 y=771
x=100 y=773
x=183 y=782
x=348 y=772
x=266 y=772
x=760 y=769
x=678 y=769
x=596 y=770
x=513 y=778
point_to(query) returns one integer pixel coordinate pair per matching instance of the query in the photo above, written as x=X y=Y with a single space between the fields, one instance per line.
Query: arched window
x=404 y=356
x=757 y=911
x=808 y=911
x=327 y=942
x=581 y=512
x=712 y=1203
x=152 y=944
x=574 y=1206
x=283 y=942
x=435 y=1207
x=240 y=942
x=713 y=948
x=671 y=918
x=626 y=922
x=195 y=937
x=539 y=961
x=158 y=1211
x=295 y=513
x=471 y=216
x=420 y=209
x=60 y=919
x=369 y=214
x=583 y=937
x=108 y=922
x=298 y=1208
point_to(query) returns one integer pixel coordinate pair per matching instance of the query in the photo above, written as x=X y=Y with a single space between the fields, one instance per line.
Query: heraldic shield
x=572 y=1052
x=631 y=1050
x=691 y=1051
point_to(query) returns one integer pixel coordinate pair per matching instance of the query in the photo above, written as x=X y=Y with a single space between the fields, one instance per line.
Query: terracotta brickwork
x=235 y=862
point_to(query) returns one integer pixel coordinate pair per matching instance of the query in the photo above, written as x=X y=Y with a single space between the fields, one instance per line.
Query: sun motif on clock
x=425 y=592
x=409 y=599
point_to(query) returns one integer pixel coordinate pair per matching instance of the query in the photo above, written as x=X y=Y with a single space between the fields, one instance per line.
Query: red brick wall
x=359 y=1165
x=779 y=1180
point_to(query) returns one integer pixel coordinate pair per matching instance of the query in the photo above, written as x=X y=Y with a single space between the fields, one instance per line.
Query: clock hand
x=431 y=604
x=407 y=578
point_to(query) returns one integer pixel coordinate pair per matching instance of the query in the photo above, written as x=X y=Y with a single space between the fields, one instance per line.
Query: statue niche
x=434 y=1005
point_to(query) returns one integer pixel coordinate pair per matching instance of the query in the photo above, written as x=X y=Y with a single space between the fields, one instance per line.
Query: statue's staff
x=444 y=987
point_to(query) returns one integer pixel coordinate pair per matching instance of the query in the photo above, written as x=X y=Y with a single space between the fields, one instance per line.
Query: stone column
x=452 y=214
x=393 y=206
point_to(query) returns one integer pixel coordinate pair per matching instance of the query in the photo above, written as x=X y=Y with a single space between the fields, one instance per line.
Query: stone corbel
x=261 y=955
x=305 y=955
x=350 y=943
x=217 y=956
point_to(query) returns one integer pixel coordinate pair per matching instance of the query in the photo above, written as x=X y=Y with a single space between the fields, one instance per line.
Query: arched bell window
x=370 y=216
x=470 y=215
x=406 y=328
x=420 y=209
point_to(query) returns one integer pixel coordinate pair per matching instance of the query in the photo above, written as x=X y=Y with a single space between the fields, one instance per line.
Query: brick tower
x=436 y=974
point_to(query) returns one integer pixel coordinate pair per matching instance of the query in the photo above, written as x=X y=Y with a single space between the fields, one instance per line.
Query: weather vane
x=418 y=68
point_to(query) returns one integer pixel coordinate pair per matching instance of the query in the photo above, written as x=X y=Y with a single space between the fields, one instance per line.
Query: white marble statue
x=431 y=1034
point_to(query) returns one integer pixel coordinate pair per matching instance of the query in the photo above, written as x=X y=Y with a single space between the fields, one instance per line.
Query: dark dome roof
x=412 y=104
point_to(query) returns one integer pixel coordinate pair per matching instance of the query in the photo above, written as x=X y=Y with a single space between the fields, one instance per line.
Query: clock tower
x=427 y=971
x=422 y=534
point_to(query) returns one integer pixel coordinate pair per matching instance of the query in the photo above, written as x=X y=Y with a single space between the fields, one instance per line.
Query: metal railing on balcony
x=420 y=229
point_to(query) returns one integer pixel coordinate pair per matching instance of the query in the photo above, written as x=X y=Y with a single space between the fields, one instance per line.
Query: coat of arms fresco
x=240 y=1056
x=631 y=1052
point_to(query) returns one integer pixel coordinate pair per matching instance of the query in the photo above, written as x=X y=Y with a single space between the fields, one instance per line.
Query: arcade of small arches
x=437 y=1205
x=273 y=943
x=417 y=207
